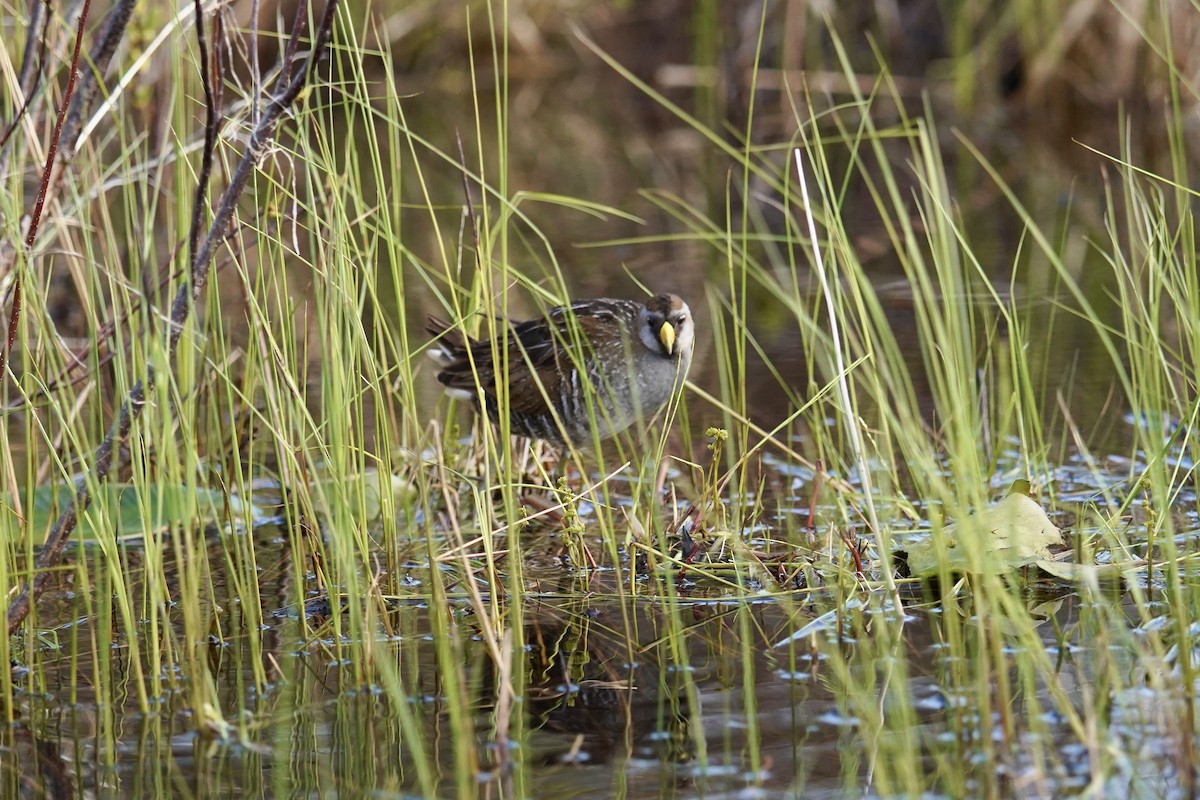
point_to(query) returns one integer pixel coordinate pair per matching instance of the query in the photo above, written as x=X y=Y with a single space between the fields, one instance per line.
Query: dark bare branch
x=30 y=76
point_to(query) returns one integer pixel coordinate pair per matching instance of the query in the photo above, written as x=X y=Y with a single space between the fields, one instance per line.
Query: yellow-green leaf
x=1010 y=534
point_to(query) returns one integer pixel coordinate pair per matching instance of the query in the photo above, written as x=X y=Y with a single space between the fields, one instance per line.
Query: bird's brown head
x=669 y=327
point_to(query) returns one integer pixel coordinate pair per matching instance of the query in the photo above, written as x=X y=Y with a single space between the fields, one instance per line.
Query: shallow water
x=621 y=693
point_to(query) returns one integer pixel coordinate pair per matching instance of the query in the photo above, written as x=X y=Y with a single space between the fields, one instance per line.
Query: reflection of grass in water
x=322 y=380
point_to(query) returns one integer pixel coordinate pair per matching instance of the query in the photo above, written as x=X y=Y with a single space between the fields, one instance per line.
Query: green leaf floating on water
x=1013 y=533
x=132 y=512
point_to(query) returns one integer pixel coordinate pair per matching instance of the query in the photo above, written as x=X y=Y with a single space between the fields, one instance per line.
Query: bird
x=583 y=372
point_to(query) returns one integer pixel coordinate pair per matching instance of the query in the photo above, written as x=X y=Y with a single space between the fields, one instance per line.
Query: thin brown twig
x=289 y=56
x=818 y=482
x=211 y=125
x=29 y=78
x=112 y=31
x=467 y=196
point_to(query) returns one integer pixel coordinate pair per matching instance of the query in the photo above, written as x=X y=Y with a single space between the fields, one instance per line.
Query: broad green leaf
x=1010 y=534
x=129 y=511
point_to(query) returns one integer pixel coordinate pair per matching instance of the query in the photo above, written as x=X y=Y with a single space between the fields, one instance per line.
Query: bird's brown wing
x=544 y=357
x=533 y=355
x=539 y=364
x=455 y=346
x=540 y=358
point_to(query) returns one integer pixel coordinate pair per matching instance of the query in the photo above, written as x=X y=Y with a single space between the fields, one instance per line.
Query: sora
x=590 y=369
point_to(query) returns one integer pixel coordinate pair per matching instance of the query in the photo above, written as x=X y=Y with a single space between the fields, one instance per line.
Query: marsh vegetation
x=942 y=263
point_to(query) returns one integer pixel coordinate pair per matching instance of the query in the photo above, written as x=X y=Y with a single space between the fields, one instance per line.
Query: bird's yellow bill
x=666 y=335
